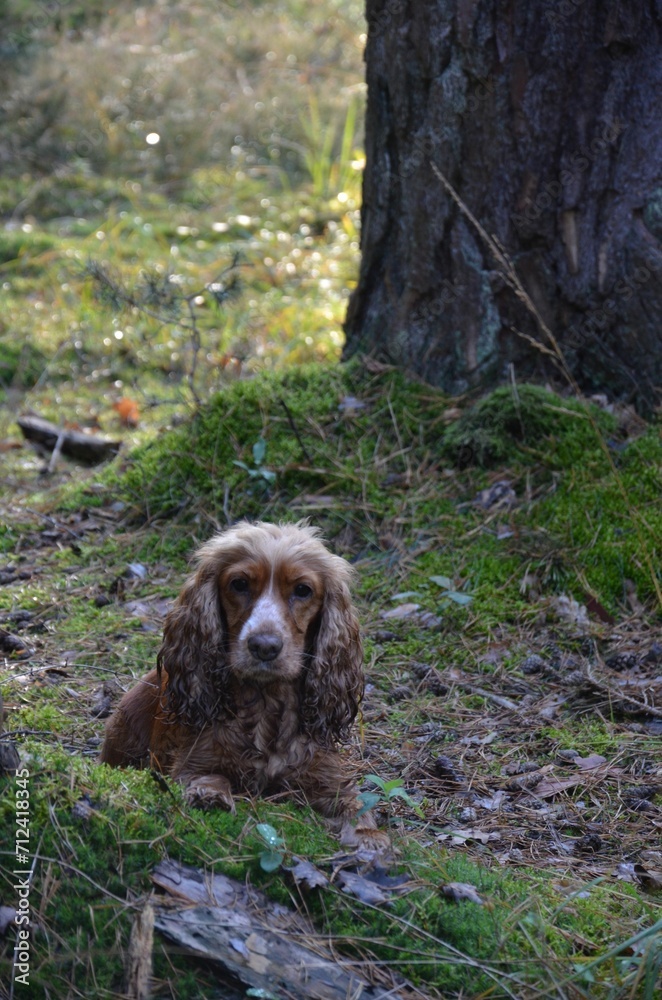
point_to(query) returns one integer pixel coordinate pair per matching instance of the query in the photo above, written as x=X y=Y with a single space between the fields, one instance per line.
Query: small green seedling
x=258 y=471
x=271 y=858
x=450 y=594
x=388 y=790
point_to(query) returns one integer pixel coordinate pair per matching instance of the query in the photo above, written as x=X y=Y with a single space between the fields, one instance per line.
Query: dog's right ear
x=193 y=653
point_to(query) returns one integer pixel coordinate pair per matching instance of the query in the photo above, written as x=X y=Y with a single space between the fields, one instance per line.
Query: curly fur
x=258 y=678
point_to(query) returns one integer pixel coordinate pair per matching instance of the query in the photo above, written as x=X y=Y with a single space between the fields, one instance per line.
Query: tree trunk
x=546 y=118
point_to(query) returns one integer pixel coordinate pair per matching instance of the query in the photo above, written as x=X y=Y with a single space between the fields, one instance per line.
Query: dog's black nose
x=265 y=646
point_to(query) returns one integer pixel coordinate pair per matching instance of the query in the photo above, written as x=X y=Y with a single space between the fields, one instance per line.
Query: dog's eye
x=239 y=585
x=303 y=590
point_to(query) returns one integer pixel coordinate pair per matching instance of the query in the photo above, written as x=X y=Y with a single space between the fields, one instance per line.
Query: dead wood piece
x=262 y=943
x=87 y=448
x=9 y=759
x=13 y=647
x=139 y=957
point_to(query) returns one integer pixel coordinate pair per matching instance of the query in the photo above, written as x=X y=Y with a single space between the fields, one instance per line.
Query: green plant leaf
x=454 y=595
x=270 y=860
x=269 y=835
x=583 y=973
x=369 y=800
x=376 y=780
x=393 y=785
x=259 y=451
x=400 y=793
x=442 y=581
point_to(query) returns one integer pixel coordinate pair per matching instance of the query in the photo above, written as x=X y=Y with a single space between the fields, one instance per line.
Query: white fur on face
x=269 y=616
x=266 y=616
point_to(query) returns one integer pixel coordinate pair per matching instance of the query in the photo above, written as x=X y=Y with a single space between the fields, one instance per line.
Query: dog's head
x=268 y=605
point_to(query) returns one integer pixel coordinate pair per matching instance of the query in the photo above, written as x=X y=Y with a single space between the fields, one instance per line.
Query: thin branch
x=295 y=431
x=172 y=308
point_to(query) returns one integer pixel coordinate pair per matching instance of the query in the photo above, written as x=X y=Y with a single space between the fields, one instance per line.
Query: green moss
x=527 y=423
x=587 y=736
x=196 y=464
x=105 y=857
x=99 y=861
x=592 y=526
x=24 y=246
x=8 y=539
x=610 y=521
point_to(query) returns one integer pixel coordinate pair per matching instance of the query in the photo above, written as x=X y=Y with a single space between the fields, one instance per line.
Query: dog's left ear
x=334 y=681
x=193 y=649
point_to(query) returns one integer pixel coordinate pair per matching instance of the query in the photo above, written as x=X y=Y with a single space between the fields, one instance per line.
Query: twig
x=56 y=451
x=171 y=311
x=483 y=693
x=511 y=277
x=49 y=520
x=615 y=696
x=295 y=431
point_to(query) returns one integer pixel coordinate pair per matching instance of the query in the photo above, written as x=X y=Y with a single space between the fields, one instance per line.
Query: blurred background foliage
x=165 y=141
x=220 y=83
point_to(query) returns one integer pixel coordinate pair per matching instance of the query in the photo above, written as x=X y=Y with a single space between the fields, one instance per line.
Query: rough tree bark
x=546 y=118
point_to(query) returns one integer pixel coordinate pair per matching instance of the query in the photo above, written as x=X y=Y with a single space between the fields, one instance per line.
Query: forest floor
x=507 y=554
x=512 y=715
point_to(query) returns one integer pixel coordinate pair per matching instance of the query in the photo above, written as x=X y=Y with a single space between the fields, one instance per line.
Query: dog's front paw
x=361 y=833
x=211 y=791
x=360 y=838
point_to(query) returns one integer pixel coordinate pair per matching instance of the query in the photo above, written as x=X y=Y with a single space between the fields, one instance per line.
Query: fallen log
x=87 y=448
x=265 y=945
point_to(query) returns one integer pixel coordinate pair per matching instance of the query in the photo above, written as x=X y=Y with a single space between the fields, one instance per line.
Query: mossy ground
x=519 y=500
x=366 y=455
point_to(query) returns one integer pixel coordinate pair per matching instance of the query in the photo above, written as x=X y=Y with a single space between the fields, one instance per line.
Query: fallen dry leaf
x=590 y=762
x=364 y=890
x=460 y=892
x=128 y=412
x=650 y=881
x=305 y=873
x=553 y=785
x=148 y=607
x=459 y=837
x=492 y=802
x=10 y=444
x=402 y=611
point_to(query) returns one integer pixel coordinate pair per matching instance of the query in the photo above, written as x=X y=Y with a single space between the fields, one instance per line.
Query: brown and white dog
x=258 y=679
